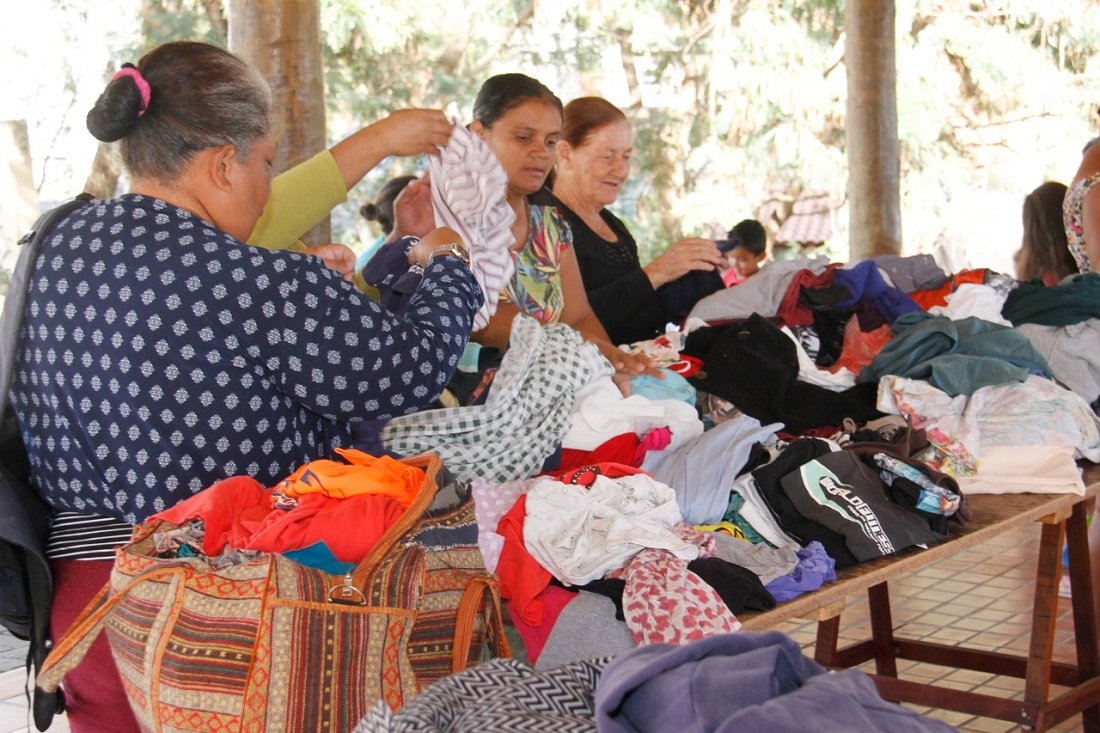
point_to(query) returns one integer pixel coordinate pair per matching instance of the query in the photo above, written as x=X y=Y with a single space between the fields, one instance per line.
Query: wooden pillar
x=874 y=201
x=282 y=38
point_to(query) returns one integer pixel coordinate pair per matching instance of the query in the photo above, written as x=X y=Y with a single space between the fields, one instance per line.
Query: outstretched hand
x=414 y=131
x=627 y=365
x=693 y=253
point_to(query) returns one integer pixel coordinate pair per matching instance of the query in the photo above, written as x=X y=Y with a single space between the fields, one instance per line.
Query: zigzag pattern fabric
x=469 y=189
x=501 y=696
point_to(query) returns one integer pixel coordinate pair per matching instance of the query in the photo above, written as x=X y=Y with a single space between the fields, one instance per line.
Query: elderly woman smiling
x=633 y=302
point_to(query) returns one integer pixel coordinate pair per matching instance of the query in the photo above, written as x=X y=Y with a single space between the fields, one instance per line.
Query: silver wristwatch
x=453 y=248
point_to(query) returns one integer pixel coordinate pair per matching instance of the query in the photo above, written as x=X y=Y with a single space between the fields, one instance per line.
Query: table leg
x=1040 y=651
x=1084 y=608
x=882 y=629
x=828 y=632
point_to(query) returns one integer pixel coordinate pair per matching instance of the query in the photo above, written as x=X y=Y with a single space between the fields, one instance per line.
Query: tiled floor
x=981 y=598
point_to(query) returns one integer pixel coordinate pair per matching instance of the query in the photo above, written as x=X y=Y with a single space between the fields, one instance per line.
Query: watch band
x=455 y=249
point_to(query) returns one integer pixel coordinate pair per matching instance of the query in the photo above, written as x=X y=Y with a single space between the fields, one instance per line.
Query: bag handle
x=11 y=320
x=75 y=643
x=357 y=578
x=469 y=605
x=73 y=646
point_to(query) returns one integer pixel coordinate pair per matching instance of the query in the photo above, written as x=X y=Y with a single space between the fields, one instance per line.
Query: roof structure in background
x=811 y=219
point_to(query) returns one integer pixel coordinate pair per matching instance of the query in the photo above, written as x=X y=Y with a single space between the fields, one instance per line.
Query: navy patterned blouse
x=160 y=355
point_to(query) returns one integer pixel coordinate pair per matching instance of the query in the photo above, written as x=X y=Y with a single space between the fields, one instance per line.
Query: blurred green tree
x=735 y=103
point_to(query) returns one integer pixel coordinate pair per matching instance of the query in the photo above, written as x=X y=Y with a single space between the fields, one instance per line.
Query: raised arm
x=304 y=195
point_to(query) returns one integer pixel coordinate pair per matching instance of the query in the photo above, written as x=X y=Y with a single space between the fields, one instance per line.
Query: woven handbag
x=272 y=645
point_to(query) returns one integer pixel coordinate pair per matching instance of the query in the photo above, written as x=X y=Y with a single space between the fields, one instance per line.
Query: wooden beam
x=282 y=38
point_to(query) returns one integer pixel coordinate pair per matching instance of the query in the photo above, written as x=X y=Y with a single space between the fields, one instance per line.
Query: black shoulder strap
x=11 y=320
x=24 y=520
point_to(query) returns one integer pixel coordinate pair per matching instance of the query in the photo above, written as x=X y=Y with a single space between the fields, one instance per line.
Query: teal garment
x=733 y=516
x=672 y=387
x=319 y=556
x=958 y=357
x=1073 y=300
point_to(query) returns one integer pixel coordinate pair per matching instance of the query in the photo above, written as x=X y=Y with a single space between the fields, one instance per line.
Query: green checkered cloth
x=522 y=422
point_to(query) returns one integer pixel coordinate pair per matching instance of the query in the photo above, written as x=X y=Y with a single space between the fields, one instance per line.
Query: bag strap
x=471 y=603
x=431 y=464
x=11 y=321
x=45 y=704
x=75 y=643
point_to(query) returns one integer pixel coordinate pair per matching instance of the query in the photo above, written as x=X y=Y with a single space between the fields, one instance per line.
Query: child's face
x=743 y=261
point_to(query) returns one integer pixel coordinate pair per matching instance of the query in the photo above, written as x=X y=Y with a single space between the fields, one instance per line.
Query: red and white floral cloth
x=665 y=602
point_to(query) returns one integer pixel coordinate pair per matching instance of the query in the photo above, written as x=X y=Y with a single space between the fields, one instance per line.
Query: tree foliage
x=737 y=102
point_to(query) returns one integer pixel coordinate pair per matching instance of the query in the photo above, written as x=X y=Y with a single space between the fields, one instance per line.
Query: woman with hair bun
x=381 y=211
x=160 y=353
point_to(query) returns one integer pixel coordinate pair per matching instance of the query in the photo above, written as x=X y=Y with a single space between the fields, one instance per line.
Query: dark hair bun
x=117 y=110
x=370 y=212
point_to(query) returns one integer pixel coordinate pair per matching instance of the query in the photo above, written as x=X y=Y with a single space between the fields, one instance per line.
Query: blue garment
x=865 y=283
x=745 y=682
x=389 y=271
x=814 y=569
x=1073 y=300
x=703 y=471
x=318 y=555
x=672 y=387
x=161 y=354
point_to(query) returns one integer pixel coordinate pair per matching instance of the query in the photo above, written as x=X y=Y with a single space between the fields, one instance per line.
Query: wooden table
x=1063 y=519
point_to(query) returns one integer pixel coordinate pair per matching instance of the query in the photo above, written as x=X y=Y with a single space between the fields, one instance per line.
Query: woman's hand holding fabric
x=422 y=250
x=693 y=253
x=414 y=131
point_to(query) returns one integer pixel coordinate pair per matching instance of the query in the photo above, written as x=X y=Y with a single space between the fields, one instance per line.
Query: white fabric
x=469 y=189
x=811 y=373
x=1071 y=352
x=601 y=413
x=580 y=534
x=491 y=502
x=1025 y=469
x=973 y=300
x=755 y=511
x=1036 y=412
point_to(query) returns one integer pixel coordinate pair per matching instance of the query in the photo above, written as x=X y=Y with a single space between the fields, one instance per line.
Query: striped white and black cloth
x=75 y=536
x=469 y=189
